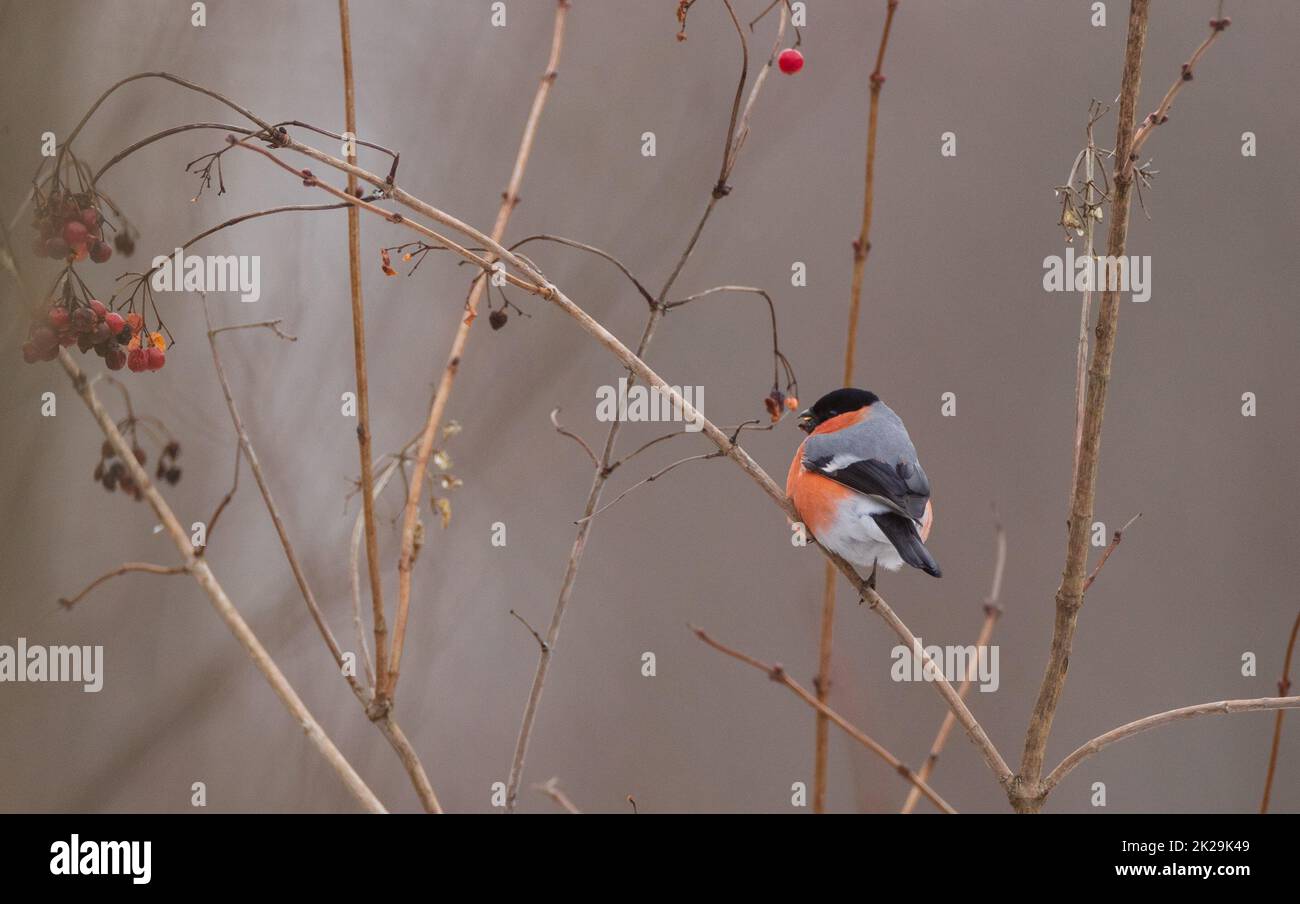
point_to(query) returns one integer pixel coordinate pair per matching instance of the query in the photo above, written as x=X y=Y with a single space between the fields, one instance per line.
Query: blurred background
x=953 y=303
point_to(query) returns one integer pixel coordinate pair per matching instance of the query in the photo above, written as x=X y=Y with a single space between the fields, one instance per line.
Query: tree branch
x=1140 y=725
x=778 y=674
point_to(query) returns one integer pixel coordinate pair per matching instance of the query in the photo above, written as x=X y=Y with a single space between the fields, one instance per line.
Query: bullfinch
x=858 y=486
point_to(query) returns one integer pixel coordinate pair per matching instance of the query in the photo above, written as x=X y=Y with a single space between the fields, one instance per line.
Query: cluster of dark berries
x=120 y=341
x=70 y=227
x=112 y=472
x=167 y=468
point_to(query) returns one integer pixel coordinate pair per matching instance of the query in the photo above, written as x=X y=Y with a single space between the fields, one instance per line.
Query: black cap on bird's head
x=841 y=401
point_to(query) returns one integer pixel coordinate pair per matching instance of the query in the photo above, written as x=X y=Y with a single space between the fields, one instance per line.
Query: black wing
x=903 y=487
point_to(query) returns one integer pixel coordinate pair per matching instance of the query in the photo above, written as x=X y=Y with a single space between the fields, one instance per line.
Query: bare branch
x=1140 y=725
x=780 y=676
x=573 y=436
x=1110 y=548
x=551 y=788
x=1283 y=686
x=125 y=568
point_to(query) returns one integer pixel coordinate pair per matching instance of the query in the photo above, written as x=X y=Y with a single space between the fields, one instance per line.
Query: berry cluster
x=70 y=228
x=113 y=474
x=120 y=341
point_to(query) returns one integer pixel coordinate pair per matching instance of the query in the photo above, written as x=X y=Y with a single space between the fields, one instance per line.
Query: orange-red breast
x=858 y=486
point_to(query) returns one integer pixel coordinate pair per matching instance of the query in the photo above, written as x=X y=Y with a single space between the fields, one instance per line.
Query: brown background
x=953 y=304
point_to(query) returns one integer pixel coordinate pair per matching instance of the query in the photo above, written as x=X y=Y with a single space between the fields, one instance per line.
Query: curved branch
x=780 y=676
x=1140 y=725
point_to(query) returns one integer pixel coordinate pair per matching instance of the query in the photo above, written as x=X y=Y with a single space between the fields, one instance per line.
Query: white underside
x=856 y=536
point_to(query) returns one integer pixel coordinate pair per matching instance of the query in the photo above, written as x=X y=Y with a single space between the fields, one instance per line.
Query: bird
x=858 y=486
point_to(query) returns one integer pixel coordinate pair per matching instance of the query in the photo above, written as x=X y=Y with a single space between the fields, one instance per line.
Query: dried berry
x=497 y=319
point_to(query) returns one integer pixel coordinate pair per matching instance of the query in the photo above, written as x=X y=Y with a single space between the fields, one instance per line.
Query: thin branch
x=992 y=612
x=861 y=248
x=651 y=479
x=1026 y=794
x=592 y=249
x=1283 y=685
x=225 y=501
x=573 y=436
x=438 y=404
x=780 y=676
x=202 y=574
x=551 y=788
x=602 y=471
x=125 y=568
x=541 y=641
x=377 y=714
x=382 y=696
x=1115 y=540
x=1140 y=725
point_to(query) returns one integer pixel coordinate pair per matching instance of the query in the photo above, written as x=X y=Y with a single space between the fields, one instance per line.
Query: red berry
x=43 y=339
x=83 y=320
x=74 y=233
x=155 y=358
x=115 y=322
x=115 y=359
x=100 y=252
x=101 y=333
x=30 y=354
x=790 y=61
x=57 y=248
x=136 y=360
x=59 y=318
x=90 y=217
x=67 y=337
x=101 y=311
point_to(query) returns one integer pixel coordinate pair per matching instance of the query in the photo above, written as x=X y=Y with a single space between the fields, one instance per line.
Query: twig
x=202 y=574
x=438 y=404
x=541 y=642
x=551 y=788
x=1026 y=795
x=125 y=568
x=225 y=501
x=1283 y=685
x=380 y=715
x=1140 y=725
x=1115 y=540
x=861 y=248
x=573 y=436
x=382 y=698
x=780 y=676
x=651 y=479
x=992 y=612
x=603 y=468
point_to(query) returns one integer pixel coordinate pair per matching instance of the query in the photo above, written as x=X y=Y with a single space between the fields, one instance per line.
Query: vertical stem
x=438 y=405
x=1025 y=793
x=359 y=354
x=861 y=248
x=1283 y=685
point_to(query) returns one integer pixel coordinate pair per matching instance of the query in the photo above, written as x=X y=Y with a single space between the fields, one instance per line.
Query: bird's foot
x=871 y=578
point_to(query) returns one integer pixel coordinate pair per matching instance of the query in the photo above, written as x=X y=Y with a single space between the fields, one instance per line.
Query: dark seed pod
x=497 y=319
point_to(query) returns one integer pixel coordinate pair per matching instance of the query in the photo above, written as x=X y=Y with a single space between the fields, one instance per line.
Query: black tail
x=902 y=533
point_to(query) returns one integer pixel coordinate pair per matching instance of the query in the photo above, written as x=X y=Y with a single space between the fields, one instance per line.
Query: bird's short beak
x=806 y=420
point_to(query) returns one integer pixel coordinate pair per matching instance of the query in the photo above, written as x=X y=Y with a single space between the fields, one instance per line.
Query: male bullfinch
x=858 y=486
